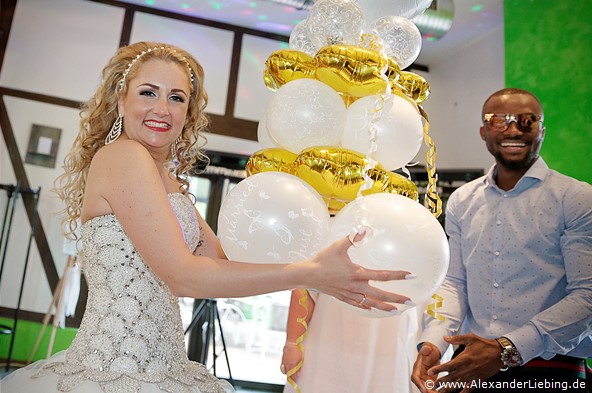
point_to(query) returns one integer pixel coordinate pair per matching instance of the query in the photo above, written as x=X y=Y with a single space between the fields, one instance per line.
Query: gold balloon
x=271 y=160
x=287 y=65
x=338 y=174
x=415 y=86
x=353 y=70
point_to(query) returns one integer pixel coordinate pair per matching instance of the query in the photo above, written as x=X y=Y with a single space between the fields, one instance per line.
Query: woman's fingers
x=366 y=300
x=358 y=292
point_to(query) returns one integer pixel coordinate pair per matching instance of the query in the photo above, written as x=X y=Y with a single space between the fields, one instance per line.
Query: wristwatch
x=510 y=355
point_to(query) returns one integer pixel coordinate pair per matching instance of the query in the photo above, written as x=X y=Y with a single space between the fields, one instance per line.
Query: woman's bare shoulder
x=120 y=168
x=125 y=151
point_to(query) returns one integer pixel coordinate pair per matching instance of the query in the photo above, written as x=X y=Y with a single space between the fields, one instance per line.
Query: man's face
x=517 y=146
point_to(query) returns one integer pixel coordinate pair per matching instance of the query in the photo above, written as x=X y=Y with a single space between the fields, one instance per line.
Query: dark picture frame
x=43 y=145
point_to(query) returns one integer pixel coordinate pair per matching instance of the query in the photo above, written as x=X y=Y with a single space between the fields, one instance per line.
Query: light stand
x=13 y=193
x=208 y=313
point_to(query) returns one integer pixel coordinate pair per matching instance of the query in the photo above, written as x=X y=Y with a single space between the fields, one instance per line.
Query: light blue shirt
x=520 y=264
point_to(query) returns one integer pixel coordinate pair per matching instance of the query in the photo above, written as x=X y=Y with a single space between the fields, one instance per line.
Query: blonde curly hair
x=100 y=112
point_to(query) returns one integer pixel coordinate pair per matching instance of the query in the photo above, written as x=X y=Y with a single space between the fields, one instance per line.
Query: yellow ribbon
x=432 y=198
x=299 y=341
x=437 y=303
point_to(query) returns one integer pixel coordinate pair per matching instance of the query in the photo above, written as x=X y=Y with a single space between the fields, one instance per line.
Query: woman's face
x=155 y=106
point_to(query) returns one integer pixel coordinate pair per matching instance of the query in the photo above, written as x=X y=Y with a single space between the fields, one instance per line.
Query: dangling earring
x=174 y=147
x=115 y=130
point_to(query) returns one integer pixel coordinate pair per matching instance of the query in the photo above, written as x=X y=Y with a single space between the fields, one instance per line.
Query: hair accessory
x=121 y=83
x=115 y=131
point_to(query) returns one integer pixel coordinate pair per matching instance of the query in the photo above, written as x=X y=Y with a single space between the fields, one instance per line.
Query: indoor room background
x=53 y=53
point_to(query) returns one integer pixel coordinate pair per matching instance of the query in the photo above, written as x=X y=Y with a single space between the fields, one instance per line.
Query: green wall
x=26 y=337
x=548 y=51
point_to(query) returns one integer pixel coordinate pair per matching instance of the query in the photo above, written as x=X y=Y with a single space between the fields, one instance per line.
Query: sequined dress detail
x=131 y=333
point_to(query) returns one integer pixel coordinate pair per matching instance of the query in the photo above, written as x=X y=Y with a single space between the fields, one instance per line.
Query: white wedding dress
x=131 y=336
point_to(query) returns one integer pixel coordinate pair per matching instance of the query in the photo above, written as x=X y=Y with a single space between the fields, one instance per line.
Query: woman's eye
x=149 y=93
x=178 y=99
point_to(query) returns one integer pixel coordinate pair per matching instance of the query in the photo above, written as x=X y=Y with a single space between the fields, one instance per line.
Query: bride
x=145 y=244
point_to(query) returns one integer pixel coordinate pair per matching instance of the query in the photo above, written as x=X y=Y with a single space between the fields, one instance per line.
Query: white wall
x=459 y=86
x=72 y=40
x=56 y=48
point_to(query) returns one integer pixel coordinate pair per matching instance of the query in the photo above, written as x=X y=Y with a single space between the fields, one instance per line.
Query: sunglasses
x=501 y=122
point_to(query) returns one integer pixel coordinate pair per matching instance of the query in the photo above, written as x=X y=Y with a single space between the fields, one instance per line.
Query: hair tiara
x=121 y=83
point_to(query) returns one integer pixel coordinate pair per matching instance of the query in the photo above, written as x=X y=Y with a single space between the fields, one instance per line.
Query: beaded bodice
x=131 y=331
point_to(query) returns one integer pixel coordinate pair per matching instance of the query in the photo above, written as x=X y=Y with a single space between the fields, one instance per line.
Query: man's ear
x=482 y=132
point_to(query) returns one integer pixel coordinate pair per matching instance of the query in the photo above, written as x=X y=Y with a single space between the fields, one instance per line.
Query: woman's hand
x=338 y=276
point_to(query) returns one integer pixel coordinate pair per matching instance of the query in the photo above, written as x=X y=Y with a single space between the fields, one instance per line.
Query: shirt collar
x=537 y=171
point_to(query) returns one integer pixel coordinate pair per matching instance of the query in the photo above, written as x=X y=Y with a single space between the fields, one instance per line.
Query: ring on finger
x=361 y=302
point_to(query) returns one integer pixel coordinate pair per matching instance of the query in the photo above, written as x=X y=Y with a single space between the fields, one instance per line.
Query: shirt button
x=495 y=284
x=496 y=253
x=494 y=317
x=499 y=222
x=505 y=195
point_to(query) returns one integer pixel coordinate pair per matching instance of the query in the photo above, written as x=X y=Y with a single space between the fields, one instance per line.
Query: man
x=518 y=294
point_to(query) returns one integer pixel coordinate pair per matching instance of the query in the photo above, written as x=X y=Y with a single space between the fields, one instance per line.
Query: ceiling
x=472 y=19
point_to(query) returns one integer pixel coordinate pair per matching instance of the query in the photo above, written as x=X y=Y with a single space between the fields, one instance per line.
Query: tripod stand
x=208 y=313
x=13 y=194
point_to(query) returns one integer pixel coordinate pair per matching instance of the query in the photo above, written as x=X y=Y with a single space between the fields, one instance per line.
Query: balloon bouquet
x=342 y=118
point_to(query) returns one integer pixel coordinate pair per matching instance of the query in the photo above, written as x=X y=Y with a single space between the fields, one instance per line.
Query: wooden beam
x=22 y=179
x=7 y=7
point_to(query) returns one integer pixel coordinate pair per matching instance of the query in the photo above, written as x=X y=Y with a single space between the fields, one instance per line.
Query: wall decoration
x=43 y=145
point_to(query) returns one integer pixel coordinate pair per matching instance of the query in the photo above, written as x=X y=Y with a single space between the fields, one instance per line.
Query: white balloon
x=272 y=217
x=376 y=9
x=335 y=22
x=401 y=38
x=398 y=128
x=304 y=113
x=300 y=39
x=265 y=140
x=401 y=235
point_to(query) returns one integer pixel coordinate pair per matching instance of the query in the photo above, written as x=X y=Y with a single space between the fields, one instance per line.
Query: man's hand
x=427 y=358
x=479 y=360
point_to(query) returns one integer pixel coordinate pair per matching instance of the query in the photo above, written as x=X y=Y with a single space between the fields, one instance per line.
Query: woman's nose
x=161 y=107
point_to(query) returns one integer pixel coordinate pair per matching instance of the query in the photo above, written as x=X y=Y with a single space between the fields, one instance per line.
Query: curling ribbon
x=299 y=340
x=374 y=44
x=432 y=307
x=432 y=198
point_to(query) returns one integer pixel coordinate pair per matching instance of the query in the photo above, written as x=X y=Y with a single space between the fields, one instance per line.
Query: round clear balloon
x=395 y=126
x=263 y=137
x=376 y=9
x=401 y=38
x=272 y=217
x=304 y=113
x=300 y=39
x=400 y=235
x=335 y=22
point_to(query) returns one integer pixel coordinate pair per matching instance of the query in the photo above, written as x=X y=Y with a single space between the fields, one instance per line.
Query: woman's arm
x=210 y=245
x=127 y=178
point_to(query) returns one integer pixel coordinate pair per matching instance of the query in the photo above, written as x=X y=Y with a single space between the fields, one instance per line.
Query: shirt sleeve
x=454 y=289
x=561 y=327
